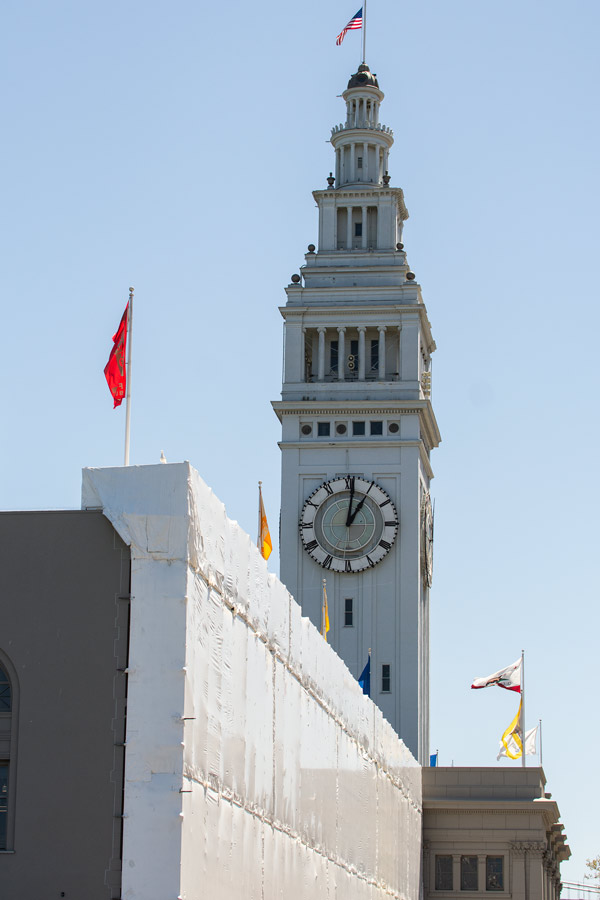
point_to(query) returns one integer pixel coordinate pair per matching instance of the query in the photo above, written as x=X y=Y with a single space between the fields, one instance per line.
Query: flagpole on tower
x=364 y=31
x=128 y=389
x=523 y=755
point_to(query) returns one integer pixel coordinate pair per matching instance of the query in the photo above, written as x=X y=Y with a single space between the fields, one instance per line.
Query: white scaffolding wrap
x=255 y=767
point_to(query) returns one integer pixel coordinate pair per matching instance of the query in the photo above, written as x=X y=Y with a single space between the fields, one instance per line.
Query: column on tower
x=365 y=171
x=349 y=228
x=381 y=372
x=399 y=359
x=341 y=353
x=361 y=352
x=352 y=162
x=321 y=362
x=338 y=167
x=364 y=228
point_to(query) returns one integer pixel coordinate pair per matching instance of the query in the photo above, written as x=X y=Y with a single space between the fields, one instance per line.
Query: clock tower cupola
x=358 y=425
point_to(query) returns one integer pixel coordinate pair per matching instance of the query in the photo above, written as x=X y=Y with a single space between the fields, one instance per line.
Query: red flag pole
x=128 y=388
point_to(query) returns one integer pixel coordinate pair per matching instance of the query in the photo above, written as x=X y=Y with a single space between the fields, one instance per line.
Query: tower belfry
x=358 y=426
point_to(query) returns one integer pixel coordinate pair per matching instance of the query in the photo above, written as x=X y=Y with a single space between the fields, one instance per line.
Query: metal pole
x=364 y=30
x=323 y=632
x=523 y=755
x=128 y=389
x=541 y=757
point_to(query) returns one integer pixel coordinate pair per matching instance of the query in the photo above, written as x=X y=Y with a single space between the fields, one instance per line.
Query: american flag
x=355 y=22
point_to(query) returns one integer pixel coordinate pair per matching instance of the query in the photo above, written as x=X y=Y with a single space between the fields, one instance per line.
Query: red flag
x=114 y=370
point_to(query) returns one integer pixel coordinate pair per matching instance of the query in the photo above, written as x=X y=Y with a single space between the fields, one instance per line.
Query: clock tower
x=358 y=425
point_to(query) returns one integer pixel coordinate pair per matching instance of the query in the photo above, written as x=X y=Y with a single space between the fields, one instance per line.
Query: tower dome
x=363 y=77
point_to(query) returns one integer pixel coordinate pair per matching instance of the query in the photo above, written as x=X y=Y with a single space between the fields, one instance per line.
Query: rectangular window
x=3 y=803
x=443 y=873
x=333 y=357
x=494 y=873
x=323 y=429
x=468 y=873
x=360 y=162
x=358 y=229
x=374 y=356
x=348 y=612
x=386 y=678
x=358 y=428
x=376 y=427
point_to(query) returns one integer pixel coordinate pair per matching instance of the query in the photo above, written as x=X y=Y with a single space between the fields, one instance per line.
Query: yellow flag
x=264 y=542
x=511 y=741
x=325 y=624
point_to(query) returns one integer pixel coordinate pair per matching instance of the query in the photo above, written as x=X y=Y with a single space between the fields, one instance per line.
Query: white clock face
x=348 y=524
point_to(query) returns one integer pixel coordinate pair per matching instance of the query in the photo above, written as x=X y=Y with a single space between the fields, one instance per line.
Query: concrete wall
x=255 y=766
x=63 y=636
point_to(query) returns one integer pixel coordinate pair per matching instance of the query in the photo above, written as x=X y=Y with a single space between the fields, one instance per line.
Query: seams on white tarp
x=254 y=765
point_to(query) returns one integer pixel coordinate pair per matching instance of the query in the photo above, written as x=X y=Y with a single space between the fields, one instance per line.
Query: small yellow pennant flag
x=264 y=542
x=325 y=623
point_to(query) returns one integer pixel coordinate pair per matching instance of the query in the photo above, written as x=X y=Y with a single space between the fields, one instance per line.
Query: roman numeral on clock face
x=385 y=545
x=311 y=546
x=327 y=562
x=348 y=566
x=328 y=487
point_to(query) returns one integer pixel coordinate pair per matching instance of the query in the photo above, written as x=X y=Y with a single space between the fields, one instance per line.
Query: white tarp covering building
x=255 y=767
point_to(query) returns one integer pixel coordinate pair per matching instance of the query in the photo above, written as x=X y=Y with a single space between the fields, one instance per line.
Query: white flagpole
x=523 y=755
x=128 y=389
x=541 y=757
x=323 y=632
x=364 y=31
x=258 y=539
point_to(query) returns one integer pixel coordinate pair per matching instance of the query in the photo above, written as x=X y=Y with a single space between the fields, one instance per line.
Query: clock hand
x=358 y=508
x=349 y=516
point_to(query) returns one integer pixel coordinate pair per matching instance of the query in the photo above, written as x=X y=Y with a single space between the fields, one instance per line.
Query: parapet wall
x=255 y=767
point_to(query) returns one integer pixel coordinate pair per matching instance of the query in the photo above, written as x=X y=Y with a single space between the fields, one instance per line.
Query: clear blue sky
x=175 y=147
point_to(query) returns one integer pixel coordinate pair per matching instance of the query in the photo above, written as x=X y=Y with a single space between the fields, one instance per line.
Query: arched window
x=5 y=692
x=8 y=727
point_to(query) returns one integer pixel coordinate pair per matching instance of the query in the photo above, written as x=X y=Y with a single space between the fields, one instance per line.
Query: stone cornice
x=476 y=807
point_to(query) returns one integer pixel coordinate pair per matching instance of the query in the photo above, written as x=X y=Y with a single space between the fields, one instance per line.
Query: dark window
x=360 y=162
x=348 y=612
x=386 y=678
x=3 y=803
x=358 y=428
x=5 y=695
x=443 y=873
x=374 y=356
x=376 y=427
x=358 y=229
x=323 y=429
x=333 y=356
x=494 y=873
x=468 y=873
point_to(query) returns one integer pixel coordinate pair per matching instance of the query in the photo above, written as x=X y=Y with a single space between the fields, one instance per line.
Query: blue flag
x=365 y=678
x=433 y=760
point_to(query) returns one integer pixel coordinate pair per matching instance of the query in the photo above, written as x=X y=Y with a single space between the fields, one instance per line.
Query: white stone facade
x=356 y=402
x=490 y=832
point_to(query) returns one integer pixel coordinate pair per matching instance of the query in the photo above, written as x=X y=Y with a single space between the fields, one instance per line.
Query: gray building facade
x=64 y=618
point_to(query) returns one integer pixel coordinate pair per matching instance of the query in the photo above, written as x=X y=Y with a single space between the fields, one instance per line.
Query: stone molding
x=535 y=848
